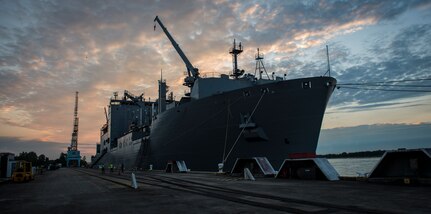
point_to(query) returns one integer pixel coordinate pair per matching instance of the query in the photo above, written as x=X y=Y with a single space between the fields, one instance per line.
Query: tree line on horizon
x=42 y=160
x=362 y=154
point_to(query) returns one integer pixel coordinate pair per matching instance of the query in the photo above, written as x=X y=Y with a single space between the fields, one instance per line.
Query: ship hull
x=130 y=155
x=286 y=118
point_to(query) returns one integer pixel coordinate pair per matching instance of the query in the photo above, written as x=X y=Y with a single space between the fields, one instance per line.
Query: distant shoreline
x=363 y=154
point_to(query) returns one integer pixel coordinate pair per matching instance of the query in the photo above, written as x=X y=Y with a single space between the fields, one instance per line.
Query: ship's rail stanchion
x=134 y=183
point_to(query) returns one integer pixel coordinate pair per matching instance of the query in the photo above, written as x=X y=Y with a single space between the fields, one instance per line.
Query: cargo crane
x=106 y=115
x=192 y=72
x=73 y=154
x=74 y=141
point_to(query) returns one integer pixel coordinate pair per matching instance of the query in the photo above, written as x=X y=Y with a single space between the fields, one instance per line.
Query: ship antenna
x=235 y=51
x=329 y=65
x=259 y=65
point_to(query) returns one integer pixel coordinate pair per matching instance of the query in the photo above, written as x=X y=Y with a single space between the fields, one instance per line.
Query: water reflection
x=354 y=166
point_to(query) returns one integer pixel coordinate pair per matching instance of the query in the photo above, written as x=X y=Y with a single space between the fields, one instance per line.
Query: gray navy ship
x=220 y=120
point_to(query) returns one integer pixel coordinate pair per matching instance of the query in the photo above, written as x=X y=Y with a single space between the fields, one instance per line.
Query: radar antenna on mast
x=235 y=51
x=259 y=65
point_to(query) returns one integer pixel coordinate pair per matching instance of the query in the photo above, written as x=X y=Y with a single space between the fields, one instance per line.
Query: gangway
x=98 y=158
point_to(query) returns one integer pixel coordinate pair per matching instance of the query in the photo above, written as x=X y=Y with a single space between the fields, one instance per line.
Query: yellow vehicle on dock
x=23 y=172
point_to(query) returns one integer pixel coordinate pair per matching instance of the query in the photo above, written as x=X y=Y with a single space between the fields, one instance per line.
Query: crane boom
x=106 y=115
x=191 y=70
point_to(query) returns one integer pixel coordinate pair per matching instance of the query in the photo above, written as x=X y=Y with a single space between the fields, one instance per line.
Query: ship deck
x=89 y=191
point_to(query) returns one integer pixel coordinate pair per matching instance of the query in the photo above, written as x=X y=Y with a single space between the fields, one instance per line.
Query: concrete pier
x=89 y=191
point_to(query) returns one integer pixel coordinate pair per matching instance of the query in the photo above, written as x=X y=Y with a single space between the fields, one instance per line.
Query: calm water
x=353 y=166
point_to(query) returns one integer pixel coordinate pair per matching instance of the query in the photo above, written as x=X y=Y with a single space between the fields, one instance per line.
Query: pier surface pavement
x=89 y=191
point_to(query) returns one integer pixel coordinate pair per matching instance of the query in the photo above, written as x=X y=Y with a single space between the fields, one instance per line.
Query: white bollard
x=220 y=167
x=134 y=184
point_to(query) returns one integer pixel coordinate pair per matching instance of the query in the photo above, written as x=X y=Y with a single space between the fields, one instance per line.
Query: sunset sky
x=50 y=49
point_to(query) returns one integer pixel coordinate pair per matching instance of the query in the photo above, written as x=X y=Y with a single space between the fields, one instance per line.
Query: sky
x=49 y=49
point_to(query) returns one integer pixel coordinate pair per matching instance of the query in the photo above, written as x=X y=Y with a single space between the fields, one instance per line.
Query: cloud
x=374 y=137
x=406 y=56
x=354 y=106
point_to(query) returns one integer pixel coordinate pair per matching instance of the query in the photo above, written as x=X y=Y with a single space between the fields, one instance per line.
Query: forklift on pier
x=23 y=172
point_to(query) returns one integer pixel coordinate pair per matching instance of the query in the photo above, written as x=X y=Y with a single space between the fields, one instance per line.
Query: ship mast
x=235 y=51
x=193 y=72
x=259 y=65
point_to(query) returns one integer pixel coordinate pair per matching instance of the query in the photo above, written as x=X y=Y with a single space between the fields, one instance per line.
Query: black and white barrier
x=308 y=169
x=403 y=166
x=258 y=166
x=176 y=166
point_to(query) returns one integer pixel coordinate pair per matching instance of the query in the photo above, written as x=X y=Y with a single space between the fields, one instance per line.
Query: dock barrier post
x=134 y=184
x=248 y=175
x=220 y=167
